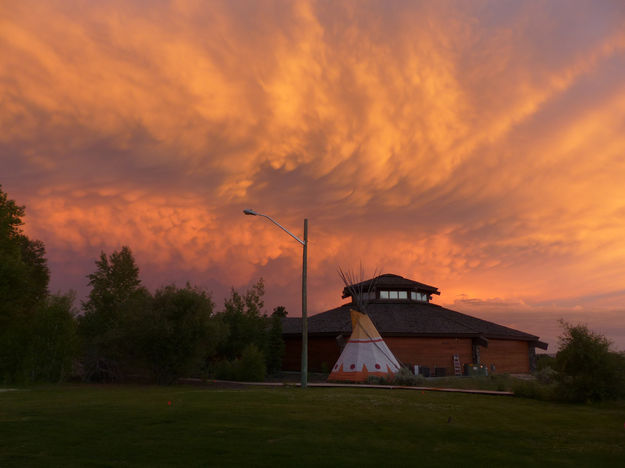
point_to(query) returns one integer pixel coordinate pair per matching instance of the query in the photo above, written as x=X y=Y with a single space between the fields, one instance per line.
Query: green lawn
x=80 y=425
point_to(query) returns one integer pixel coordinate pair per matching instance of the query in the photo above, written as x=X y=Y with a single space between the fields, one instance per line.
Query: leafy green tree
x=587 y=368
x=24 y=280
x=114 y=283
x=245 y=321
x=24 y=274
x=279 y=311
x=116 y=299
x=179 y=332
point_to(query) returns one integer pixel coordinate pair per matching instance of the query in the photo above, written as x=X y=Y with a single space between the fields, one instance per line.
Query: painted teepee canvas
x=365 y=353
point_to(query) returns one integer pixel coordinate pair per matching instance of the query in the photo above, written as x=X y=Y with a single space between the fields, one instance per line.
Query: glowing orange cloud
x=478 y=148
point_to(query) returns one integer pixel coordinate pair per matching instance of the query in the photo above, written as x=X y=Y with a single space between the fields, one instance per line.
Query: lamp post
x=304 y=279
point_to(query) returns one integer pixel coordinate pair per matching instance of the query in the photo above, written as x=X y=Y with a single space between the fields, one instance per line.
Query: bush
x=378 y=380
x=587 y=369
x=534 y=389
x=407 y=378
x=546 y=375
x=545 y=360
x=403 y=377
x=250 y=367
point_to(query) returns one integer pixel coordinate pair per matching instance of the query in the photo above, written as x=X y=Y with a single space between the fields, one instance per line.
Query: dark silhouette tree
x=275 y=342
x=24 y=280
x=245 y=321
x=178 y=333
x=24 y=274
x=116 y=299
x=587 y=368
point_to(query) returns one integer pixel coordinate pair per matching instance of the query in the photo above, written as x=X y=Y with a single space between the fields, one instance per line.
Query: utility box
x=473 y=370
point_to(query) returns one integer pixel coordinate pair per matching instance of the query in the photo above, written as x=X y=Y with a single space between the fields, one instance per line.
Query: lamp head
x=250 y=212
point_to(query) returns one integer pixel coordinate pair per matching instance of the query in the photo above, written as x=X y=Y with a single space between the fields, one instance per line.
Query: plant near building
x=587 y=368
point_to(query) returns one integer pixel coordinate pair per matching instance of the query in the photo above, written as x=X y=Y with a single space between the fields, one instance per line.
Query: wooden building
x=417 y=331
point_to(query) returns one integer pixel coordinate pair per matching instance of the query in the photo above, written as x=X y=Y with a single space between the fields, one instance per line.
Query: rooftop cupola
x=389 y=287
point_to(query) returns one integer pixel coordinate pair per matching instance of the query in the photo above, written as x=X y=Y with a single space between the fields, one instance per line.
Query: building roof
x=387 y=281
x=395 y=318
x=405 y=317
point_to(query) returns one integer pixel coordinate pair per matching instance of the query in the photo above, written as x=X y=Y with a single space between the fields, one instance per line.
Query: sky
x=478 y=147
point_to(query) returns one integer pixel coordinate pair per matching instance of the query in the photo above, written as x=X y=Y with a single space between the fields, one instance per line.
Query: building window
x=418 y=296
x=401 y=295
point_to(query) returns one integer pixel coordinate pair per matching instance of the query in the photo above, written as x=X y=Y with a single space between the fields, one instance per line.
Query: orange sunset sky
x=477 y=146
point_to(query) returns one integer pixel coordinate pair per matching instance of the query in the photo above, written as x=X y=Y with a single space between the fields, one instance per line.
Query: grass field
x=80 y=425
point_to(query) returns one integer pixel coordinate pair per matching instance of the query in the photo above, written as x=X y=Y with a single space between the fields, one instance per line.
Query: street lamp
x=304 y=275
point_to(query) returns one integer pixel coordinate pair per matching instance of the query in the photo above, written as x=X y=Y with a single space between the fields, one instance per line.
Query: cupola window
x=417 y=296
x=401 y=295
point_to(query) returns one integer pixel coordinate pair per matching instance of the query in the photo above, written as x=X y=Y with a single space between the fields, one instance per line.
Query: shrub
x=250 y=367
x=546 y=375
x=587 y=369
x=377 y=380
x=534 y=389
x=545 y=360
x=224 y=370
x=407 y=378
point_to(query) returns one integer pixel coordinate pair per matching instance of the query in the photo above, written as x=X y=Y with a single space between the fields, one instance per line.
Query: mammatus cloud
x=477 y=147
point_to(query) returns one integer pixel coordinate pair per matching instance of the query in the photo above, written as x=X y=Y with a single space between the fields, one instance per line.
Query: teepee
x=365 y=353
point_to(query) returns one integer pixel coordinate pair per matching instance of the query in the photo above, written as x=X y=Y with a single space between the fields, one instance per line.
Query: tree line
x=122 y=332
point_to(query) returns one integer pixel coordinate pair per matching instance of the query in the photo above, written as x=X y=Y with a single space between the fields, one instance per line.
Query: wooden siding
x=508 y=356
x=430 y=352
x=323 y=352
